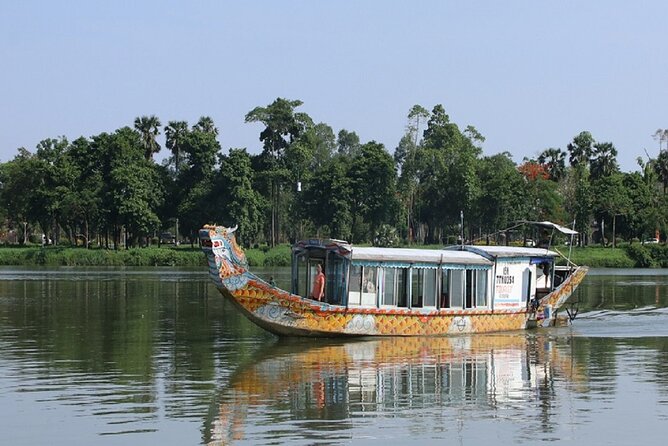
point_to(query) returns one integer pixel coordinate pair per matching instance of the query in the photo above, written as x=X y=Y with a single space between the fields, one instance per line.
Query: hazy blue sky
x=527 y=74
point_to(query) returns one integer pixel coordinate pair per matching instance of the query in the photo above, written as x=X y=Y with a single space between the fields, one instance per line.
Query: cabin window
x=300 y=278
x=388 y=286
x=429 y=288
x=476 y=288
x=457 y=288
x=445 y=289
x=481 y=289
x=423 y=288
x=417 y=284
x=469 y=291
x=355 y=285
x=402 y=284
x=305 y=274
x=335 y=279
x=369 y=286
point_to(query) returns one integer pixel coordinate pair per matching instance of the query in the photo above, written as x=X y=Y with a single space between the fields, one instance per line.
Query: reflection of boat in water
x=394 y=291
x=338 y=382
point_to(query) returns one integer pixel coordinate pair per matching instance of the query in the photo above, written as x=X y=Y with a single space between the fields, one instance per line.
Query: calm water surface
x=156 y=357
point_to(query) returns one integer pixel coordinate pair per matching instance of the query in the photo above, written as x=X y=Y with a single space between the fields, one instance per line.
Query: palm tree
x=581 y=149
x=604 y=162
x=206 y=125
x=175 y=133
x=555 y=162
x=149 y=128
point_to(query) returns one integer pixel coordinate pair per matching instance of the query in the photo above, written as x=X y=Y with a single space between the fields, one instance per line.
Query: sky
x=528 y=75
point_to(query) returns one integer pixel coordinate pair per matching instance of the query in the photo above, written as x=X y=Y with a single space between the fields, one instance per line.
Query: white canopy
x=507 y=251
x=549 y=224
x=410 y=255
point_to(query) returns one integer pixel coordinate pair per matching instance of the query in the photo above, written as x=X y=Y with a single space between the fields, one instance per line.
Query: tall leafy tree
x=328 y=199
x=440 y=132
x=577 y=197
x=661 y=168
x=450 y=161
x=283 y=124
x=503 y=193
x=305 y=156
x=348 y=143
x=149 y=129
x=661 y=135
x=19 y=181
x=416 y=116
x=197 y=179
x=610 y=199
x=315 y=146
x=134 y=190
x=282 y=127
x=374 y=186
x=643 y=217
x=241 y=204
x=82 y=202
x=406 y=159
x=56 y=180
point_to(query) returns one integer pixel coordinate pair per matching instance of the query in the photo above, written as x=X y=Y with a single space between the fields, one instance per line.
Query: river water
x=154 y=356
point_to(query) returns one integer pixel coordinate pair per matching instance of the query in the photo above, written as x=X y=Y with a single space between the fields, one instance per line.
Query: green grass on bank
x=56 y=256
x=634 y=255
x=599 y=257
x=152 y=256
x=630 y=256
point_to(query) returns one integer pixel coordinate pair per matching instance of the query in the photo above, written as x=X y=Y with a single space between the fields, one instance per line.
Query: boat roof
x=412 y=255
x=496 y=252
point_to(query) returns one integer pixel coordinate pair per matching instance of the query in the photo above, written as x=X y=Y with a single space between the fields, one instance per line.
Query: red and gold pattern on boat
x=283 y=313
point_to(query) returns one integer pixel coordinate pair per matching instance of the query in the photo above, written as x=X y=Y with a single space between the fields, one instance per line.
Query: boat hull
x=285 y=314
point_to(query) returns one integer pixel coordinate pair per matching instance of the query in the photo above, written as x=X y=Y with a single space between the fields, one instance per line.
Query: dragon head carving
x=229 y=258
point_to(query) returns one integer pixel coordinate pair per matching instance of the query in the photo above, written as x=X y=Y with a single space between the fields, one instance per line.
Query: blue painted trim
x=457 y=266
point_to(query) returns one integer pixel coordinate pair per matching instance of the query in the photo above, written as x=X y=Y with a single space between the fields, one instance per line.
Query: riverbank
x=152 y=256
x=629 y=256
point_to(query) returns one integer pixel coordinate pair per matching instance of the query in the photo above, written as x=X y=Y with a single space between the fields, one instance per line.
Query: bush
x=255 y=257
x=264 y=256
x=659 y=254
x=641 y=255
x=279 y=256
x=12 y=256
x=386 y=237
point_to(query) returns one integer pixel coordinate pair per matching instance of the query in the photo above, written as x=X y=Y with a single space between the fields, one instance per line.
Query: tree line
x=310 y=181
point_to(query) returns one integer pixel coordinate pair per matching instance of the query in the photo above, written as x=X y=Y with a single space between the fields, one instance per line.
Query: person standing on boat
x=318 y=291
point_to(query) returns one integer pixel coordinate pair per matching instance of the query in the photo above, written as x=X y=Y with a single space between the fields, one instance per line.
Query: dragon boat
x=371 y=291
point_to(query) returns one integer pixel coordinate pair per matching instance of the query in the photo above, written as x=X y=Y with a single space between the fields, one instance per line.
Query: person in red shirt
x=318 y=291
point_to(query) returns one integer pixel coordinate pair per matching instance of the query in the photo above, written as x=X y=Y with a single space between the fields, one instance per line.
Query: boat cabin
x=456 y=278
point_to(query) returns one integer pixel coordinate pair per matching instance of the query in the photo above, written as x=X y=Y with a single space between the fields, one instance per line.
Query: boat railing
x=569 y=262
